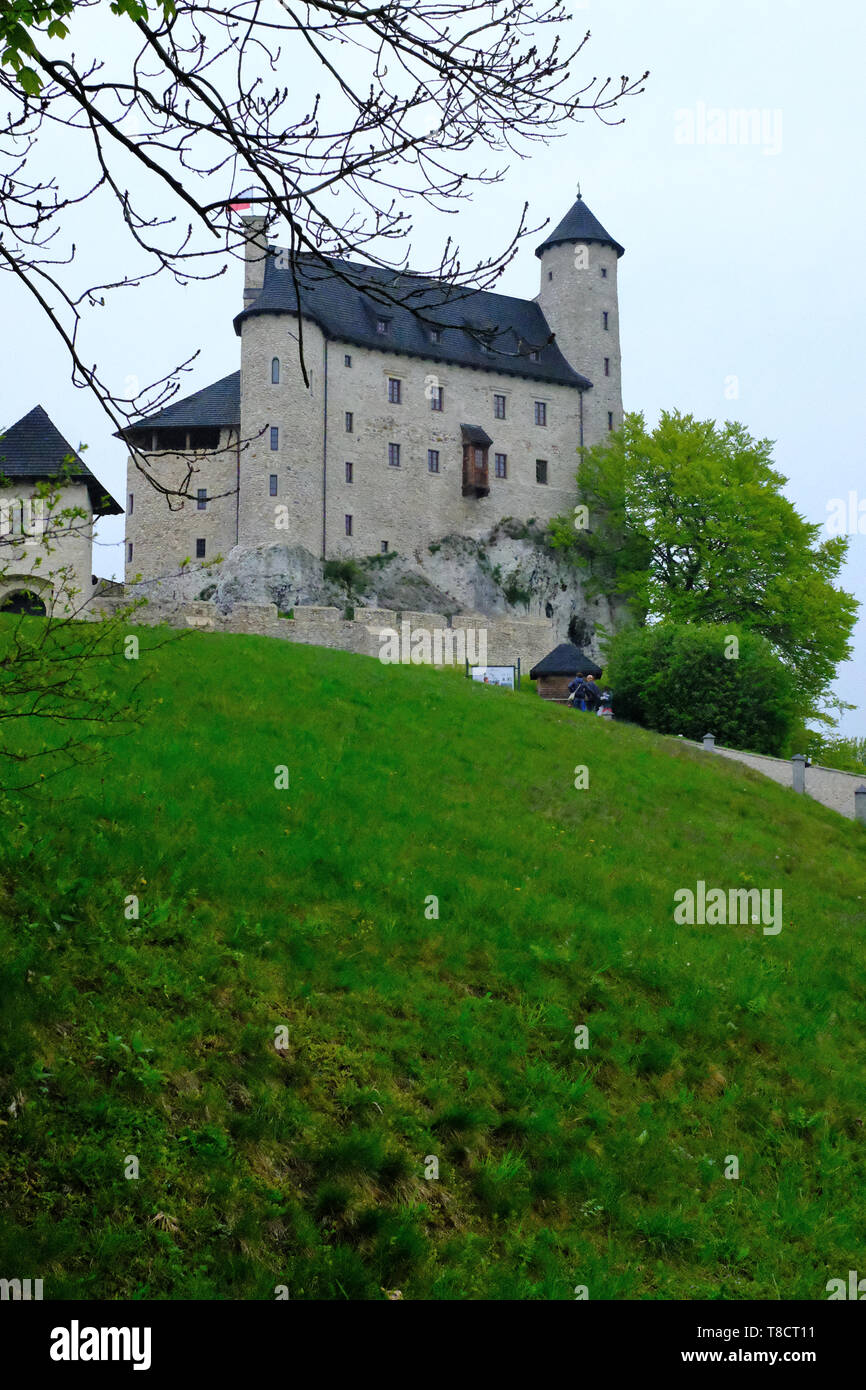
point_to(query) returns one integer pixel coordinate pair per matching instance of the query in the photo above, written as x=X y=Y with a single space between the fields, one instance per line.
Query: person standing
x=593 y=694
x=580 y=693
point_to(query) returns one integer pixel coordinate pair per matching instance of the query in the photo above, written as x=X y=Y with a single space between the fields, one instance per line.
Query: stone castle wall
x=403 y=507
x=507 y=639
x=159 y=537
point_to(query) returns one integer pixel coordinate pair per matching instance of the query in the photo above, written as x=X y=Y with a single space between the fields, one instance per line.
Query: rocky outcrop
x=508 y=573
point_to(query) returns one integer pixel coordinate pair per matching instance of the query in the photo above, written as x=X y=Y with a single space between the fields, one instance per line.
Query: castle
x=427 y=411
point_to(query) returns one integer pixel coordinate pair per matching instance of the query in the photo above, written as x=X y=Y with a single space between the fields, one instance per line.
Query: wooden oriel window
x=476 y=480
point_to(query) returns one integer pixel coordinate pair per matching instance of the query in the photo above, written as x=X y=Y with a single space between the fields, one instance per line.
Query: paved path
x=827 y=785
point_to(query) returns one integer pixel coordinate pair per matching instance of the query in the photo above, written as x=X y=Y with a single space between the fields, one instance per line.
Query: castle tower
x=578 y=297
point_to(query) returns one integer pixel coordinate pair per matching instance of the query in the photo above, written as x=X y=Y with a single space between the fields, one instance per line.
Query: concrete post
x=709 y=743
x=860 y=804
x=799 y=771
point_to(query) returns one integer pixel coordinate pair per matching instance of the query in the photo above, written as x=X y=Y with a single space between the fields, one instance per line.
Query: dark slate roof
x=565 y=660
x=219 y=404
x=347 y=312
x=35 y=448
x=579 y=224
x=474 y=434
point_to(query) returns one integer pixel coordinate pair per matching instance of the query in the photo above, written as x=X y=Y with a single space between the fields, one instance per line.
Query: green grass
x=411 y=1037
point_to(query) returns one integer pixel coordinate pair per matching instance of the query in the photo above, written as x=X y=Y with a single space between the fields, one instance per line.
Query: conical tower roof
x=579 y=224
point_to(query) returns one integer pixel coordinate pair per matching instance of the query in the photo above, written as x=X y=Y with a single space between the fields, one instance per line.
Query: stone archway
x=25 y=593
x=23 y=601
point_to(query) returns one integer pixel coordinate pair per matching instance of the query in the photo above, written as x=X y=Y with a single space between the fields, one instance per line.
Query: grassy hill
x=411 y=1036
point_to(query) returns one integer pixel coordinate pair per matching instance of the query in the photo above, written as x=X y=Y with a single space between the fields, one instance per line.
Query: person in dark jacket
x=582 y=694
x=593 y=694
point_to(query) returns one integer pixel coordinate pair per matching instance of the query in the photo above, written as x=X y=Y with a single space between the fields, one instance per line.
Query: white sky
x=741 y=261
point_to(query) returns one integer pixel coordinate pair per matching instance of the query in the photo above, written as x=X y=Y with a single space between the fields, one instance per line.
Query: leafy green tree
x=693 y=679
x=689 y=522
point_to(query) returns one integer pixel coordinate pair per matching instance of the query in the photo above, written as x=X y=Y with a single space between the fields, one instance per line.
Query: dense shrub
x=675 y=678
x=348 y=573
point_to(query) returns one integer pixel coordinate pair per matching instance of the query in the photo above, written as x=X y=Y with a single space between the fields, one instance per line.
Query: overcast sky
x=742 y=287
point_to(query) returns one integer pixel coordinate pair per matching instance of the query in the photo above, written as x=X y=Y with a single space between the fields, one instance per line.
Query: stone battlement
x=508 y=640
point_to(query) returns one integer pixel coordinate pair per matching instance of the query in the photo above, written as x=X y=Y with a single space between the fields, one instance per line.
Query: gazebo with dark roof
x=554 y=671
x=34 y=448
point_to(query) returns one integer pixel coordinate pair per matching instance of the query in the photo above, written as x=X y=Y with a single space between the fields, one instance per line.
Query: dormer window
x=533 y=356
x=435 y=335
x=383 y=325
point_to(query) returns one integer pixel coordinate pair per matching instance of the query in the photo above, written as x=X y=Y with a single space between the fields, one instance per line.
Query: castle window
x=533 y=356
x=437 y=398
x=129 y=551
x=604 y=272
x=550 y=275
x=275 y=371
x=607 y=366
x=200 y=548
x=347 y=360
x=394 y=390
x=204 y=438
x=173 y=440
x=384 y=547
x=500 y=465
x=541 y=470
x=131 y=506
x=394 y=455
x=499 y=407
x=432 y=460
x=540 y=413
x=383 y=325
x=201 y=499
x=350 y=422
x=604 y=318
x=610 y=419
x=275 y=437
x=348 y=525
x=272 y=485
x=350 y=472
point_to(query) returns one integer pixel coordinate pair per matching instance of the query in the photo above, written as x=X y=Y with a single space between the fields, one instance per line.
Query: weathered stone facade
x=54 y=561
x=161 y=535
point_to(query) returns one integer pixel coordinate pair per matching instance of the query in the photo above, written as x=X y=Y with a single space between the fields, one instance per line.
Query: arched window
x=275 y=371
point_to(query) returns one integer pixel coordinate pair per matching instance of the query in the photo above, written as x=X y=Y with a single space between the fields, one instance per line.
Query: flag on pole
x=242 y=203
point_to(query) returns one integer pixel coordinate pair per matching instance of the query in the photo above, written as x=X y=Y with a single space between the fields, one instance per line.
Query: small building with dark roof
x=423 y=409
x=554 y=671
x=48 y=501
